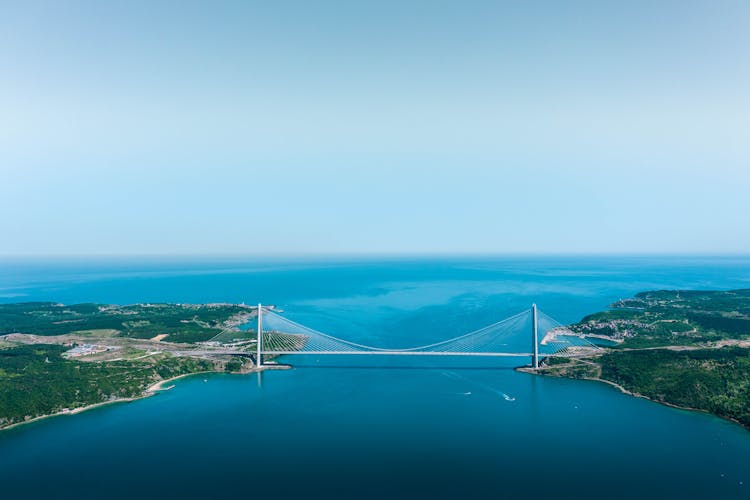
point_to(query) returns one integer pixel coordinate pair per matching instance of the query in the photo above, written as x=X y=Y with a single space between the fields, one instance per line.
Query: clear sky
x=382 y=126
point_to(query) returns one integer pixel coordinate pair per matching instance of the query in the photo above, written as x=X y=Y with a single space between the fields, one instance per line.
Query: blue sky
x=369 y=127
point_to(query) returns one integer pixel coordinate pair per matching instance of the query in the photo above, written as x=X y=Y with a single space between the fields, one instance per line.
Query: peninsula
x=689 y=349
x=57 y=358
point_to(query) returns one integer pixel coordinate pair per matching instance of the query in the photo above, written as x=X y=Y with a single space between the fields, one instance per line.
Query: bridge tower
x=259 y=355
x=534 y=338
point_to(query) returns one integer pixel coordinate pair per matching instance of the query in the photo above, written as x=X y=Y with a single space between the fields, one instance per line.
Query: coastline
x=148 y=392
x=151 y=390
x=665 y=403
x=74 y=411
x=157 y=386
x=637 y=395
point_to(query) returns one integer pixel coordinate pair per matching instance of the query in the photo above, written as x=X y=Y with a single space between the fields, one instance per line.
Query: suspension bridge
x=530 y=333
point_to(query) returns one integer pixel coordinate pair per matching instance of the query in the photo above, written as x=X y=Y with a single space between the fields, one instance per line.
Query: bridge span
x=279 y=336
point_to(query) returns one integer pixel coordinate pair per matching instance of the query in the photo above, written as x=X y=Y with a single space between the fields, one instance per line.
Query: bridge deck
x=405 y=353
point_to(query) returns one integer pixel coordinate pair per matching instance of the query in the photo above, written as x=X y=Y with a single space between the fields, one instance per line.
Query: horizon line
x=362 y=255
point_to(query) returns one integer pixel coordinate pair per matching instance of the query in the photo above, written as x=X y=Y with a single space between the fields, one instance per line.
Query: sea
x=364 y=427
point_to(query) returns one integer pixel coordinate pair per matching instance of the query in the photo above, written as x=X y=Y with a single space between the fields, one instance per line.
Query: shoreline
x=74 y=411
x=151 y=390
x=665 y=403
x=627 y=392
x=157 y=386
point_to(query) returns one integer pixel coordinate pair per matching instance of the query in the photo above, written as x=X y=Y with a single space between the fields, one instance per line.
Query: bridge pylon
x=259 y=355
x=534 y=338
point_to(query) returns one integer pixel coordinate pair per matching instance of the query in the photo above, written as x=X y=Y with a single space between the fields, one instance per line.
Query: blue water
x=378 y=427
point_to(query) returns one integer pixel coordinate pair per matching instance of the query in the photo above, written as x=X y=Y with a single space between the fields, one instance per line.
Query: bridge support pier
x=534 y=339
x=259 y=355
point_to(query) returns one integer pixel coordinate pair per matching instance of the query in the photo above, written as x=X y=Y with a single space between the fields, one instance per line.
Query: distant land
x=689 y=349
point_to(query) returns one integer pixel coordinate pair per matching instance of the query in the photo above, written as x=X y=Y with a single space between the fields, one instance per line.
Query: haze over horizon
x=347 y=128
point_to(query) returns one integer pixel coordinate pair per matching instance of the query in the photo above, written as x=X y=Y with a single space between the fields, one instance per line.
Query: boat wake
x=456 y=376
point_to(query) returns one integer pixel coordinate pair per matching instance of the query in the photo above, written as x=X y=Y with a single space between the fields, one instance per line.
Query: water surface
x=375 y=427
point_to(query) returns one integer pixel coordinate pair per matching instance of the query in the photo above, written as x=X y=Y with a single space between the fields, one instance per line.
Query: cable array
x=510 y=336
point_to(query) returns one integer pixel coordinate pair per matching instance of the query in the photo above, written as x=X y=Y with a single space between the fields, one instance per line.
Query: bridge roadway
x=236 y=352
